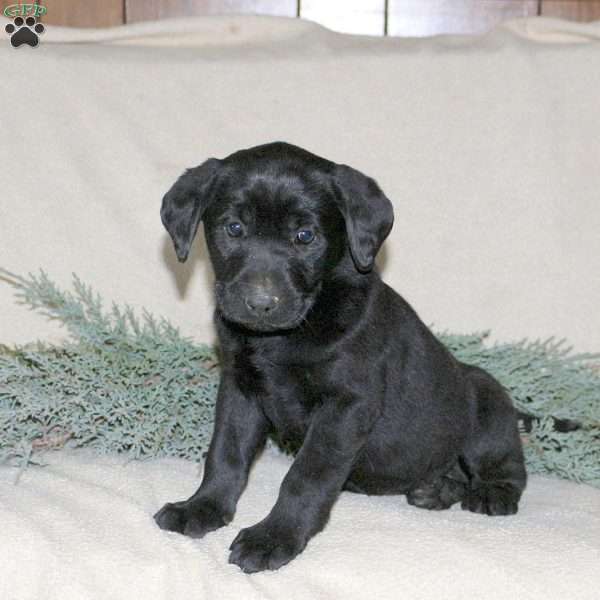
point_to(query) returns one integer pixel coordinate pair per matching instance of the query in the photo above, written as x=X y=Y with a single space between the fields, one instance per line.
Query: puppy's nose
x=261 y=303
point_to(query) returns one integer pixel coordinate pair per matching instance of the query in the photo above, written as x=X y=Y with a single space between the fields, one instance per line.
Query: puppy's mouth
x=264 y=324
x=284 y=318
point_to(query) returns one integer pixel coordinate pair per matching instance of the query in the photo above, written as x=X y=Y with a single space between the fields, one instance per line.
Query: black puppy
x=316 y=348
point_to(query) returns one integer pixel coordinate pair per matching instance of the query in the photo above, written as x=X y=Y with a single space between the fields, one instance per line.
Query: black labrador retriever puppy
x=318 y=350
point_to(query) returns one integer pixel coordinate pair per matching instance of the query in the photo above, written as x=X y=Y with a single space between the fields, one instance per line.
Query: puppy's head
x=277 y=220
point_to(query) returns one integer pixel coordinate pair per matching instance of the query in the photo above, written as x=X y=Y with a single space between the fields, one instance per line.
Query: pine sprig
x=134 y=385
x=120 y=384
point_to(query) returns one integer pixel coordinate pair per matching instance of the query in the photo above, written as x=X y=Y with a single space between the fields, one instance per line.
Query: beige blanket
x=82 y=529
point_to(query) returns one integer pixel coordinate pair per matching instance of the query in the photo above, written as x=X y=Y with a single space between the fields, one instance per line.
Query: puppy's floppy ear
x=184 y=204
x=367 y=211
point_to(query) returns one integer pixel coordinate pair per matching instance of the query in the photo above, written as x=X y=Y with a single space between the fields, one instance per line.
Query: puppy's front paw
x=264 y=546
x=194 y=519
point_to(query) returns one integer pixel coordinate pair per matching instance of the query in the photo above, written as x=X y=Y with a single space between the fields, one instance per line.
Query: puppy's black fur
x=316 y=348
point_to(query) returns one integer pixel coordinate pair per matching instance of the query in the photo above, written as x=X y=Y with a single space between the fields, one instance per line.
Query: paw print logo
x=24 y=31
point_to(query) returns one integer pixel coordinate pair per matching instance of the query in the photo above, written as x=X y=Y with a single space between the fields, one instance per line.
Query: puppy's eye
x=305 y=236
x=234 y=229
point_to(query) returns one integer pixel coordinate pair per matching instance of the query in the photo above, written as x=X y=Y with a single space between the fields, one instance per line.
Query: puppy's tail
x=527 y=420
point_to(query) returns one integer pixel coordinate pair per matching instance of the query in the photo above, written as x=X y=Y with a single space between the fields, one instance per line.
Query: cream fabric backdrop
x=487 y=146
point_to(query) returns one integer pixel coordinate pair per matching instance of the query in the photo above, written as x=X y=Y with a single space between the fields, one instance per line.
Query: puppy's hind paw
x=437 y=495
x=492 y=499
x=426 y=497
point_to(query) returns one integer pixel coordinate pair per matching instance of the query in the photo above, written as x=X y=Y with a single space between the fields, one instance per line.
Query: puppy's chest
x=289 y=393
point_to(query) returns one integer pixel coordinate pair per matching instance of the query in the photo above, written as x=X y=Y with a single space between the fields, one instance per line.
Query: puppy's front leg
x=337 y=432
x=240 y=430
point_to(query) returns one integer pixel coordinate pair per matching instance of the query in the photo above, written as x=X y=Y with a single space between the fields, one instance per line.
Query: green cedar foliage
x=134 y=385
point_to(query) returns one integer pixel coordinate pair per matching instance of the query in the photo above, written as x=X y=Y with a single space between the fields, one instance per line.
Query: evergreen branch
x=131 y=384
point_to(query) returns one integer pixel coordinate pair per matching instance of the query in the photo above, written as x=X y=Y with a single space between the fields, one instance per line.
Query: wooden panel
x=69 y=13
x=405 y=17
x=575 y=10
x=349 y=16
x=431 y=17
x=149 y=10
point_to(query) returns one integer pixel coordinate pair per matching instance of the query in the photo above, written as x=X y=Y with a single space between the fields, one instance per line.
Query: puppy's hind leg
x=441 y=493
x=493 y=456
